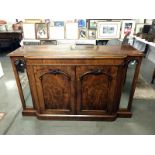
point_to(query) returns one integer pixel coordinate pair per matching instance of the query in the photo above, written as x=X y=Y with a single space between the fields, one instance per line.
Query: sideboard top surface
x=75 y=51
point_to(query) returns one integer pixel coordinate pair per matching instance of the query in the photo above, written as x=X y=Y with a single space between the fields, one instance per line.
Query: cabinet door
x=95 y=89
x=55 y=88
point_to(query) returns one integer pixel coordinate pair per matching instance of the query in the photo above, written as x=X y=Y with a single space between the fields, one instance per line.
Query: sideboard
x=78 y=82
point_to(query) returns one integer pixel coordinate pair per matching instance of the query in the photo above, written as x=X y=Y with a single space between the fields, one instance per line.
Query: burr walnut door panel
x=55 y=88
x=95 y=89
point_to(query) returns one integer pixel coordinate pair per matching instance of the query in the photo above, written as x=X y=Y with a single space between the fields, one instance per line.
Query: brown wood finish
x=55 y=87
x=21 y=94
x=95 y=86
x=78 y=82
x=18 y=81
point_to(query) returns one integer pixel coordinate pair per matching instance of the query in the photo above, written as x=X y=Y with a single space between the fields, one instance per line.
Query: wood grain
x=77 y=82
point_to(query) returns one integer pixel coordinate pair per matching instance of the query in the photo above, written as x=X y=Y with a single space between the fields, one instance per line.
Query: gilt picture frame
x=41 y=30
x=33 y=21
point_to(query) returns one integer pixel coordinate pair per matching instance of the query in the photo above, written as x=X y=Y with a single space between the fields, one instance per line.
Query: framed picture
x=56 y=33
x=92 y=24
x=48 y=42
x=139 y=21
x=92 y=34
x=108 y=30
x=71 y=31
x=29 y=31
x=32 y=21
x=47 y=20
x=127 y=26
x=83 y=34
x=82 y=23
x=139 y=28
x=41 y=30
x=59 y=23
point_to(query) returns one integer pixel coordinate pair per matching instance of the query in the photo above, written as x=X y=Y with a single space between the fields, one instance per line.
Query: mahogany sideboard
x=79 y=82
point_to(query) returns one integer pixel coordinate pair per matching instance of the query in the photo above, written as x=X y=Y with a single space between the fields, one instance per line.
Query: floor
x=14 y=123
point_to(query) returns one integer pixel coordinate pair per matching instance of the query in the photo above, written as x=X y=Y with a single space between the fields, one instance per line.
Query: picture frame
x=139 y=27
x=32 y=21
x=83 y=33
x=48 y=42
x=71 y=30
x=29 y=31
x=59 y=23
x=92 y=24
x=140 y=21
x=127 y=26
x=108 y=30
x=56 y=33
x=47 y=21
x=41 y=30
x=91 y=34
x=82 y=23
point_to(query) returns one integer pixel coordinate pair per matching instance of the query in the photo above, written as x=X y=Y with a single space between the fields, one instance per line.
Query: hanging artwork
x=41 y=30
x=127 y=26
x=82 y=33
x=108 y=30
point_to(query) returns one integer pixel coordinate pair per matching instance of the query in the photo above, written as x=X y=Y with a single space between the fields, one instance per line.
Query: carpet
x=2 y=114
x=143 y=90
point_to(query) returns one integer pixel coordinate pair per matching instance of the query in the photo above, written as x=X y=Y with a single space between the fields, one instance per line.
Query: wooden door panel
x=95 y=89
x=94 y=92
x=55 y=86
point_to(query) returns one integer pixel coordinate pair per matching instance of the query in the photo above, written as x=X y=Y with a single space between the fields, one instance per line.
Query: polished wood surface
x=77 y=82
x=55 y=88
x=75 y=51
x=95 y=85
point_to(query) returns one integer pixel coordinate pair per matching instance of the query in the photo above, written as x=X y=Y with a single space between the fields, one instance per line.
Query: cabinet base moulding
x=76 y=117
